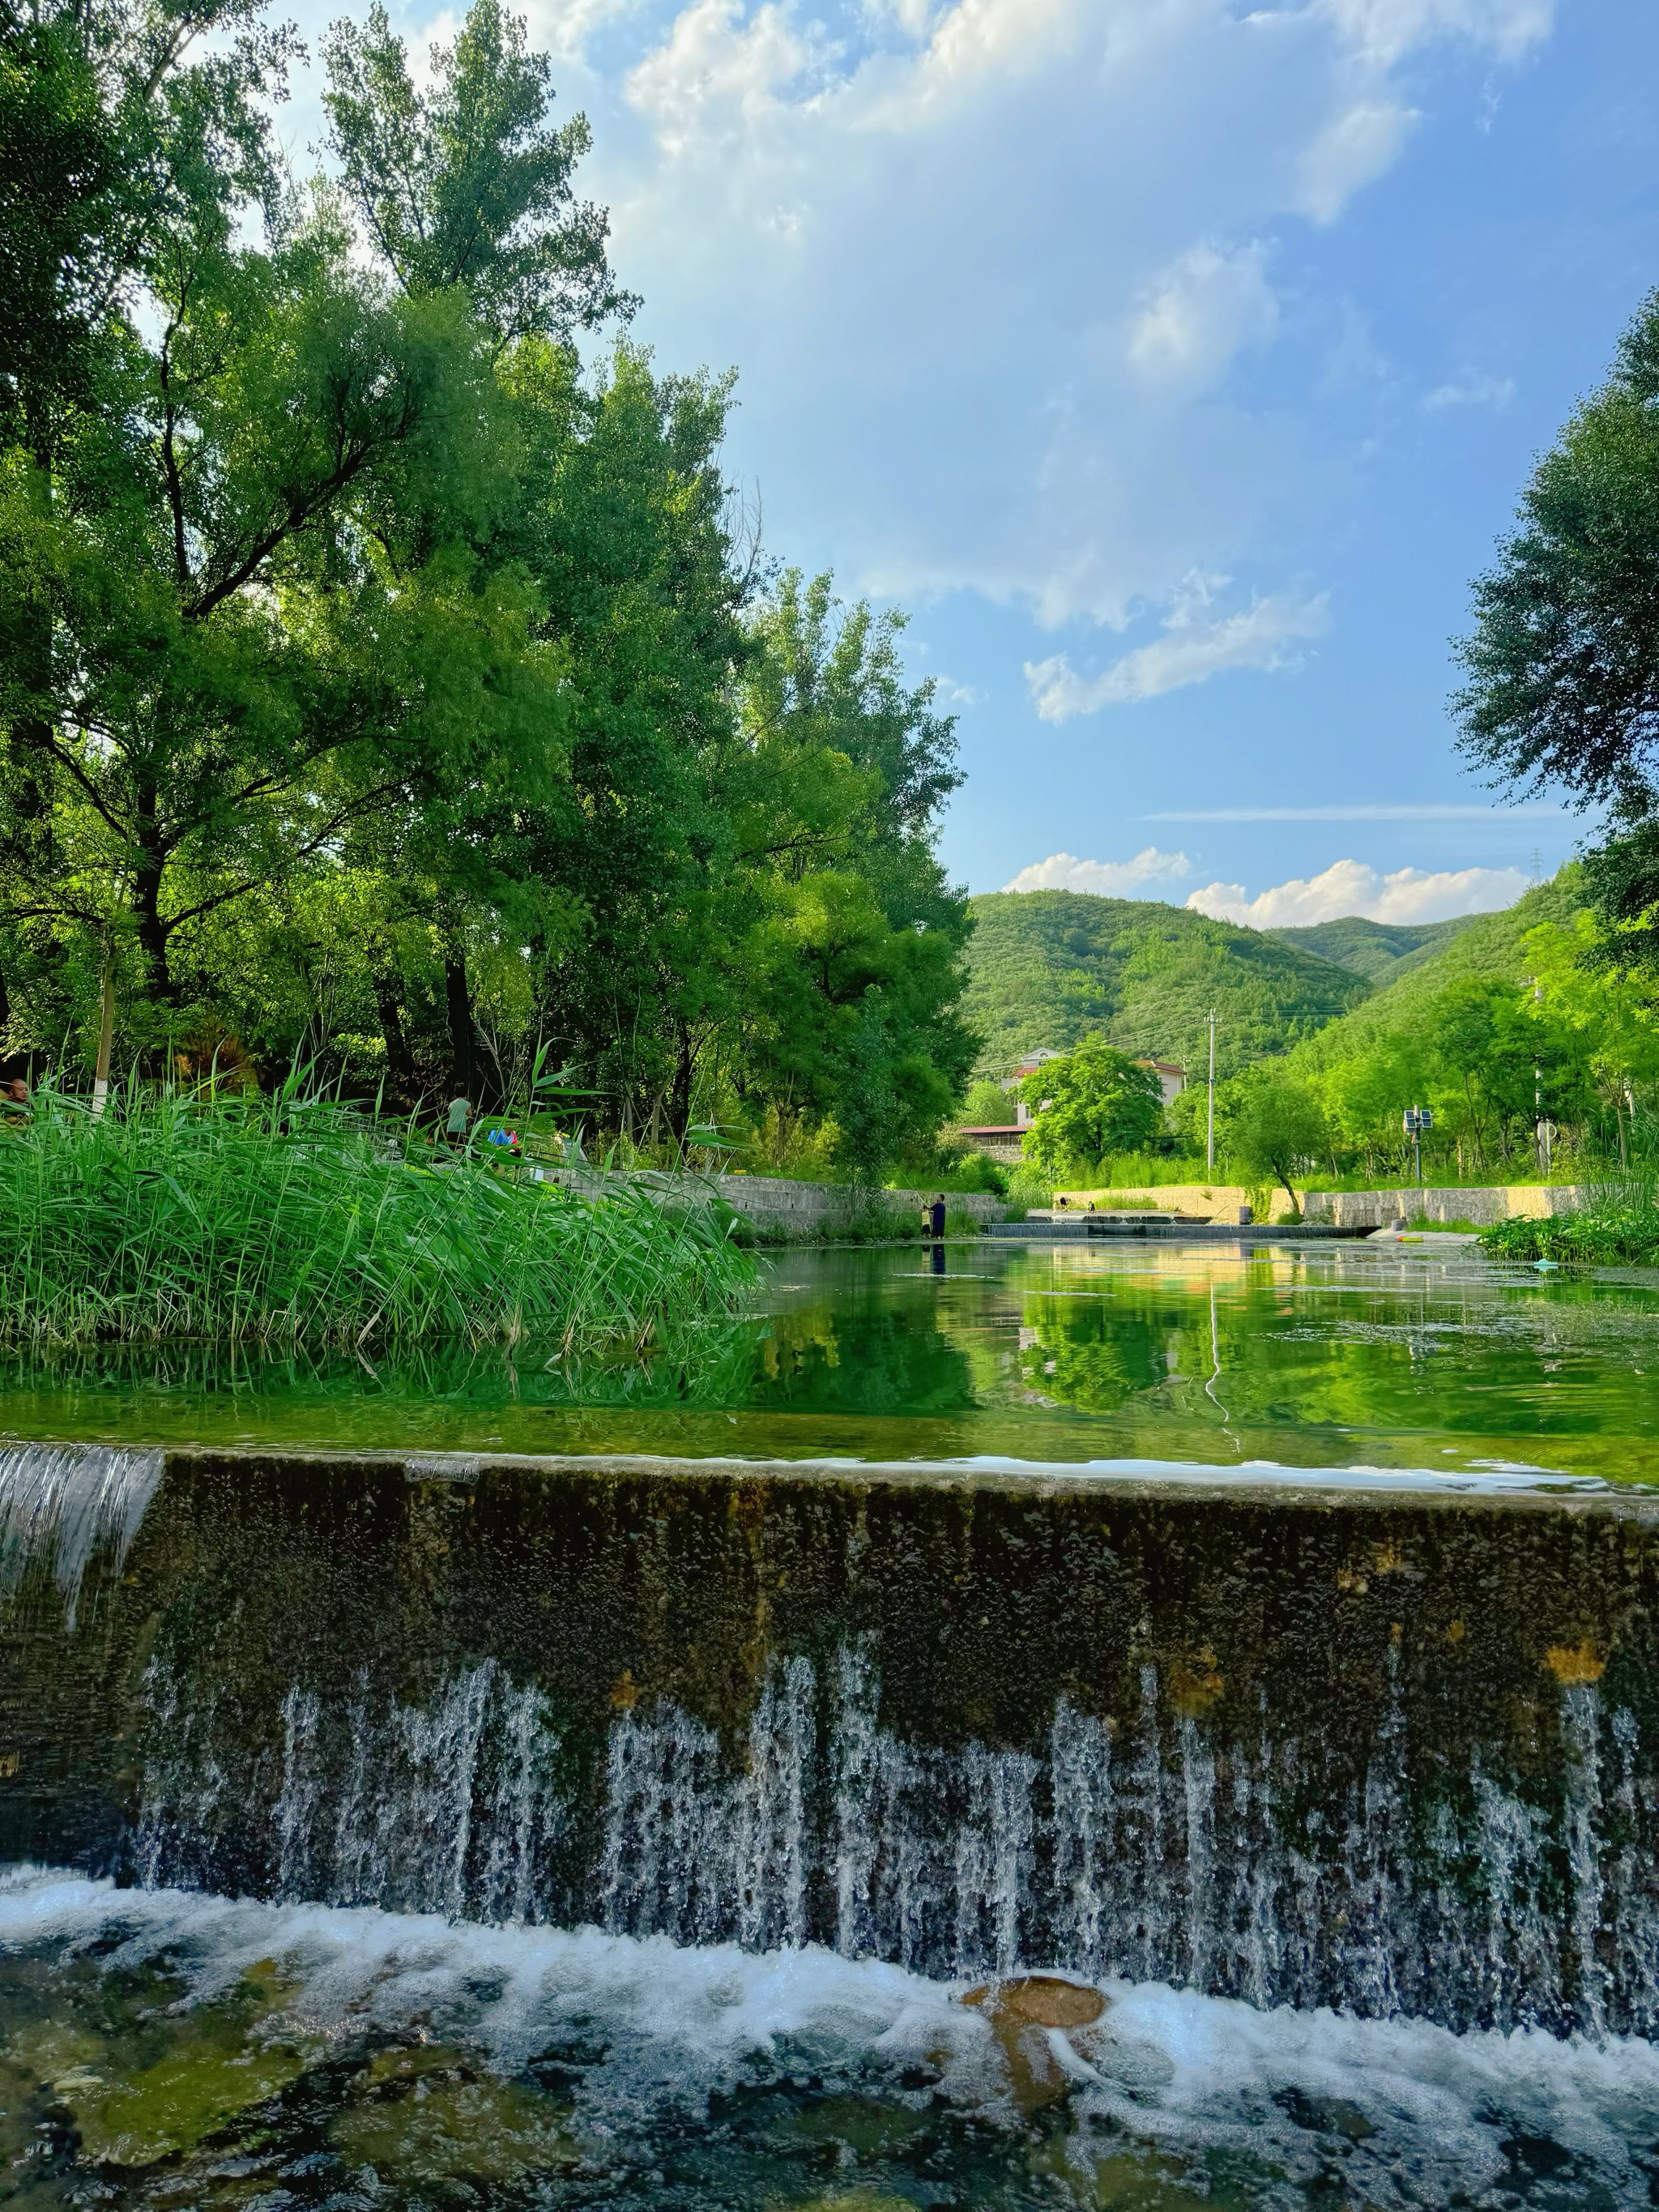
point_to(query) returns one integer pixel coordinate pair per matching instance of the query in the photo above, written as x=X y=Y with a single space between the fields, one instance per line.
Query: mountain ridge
x=1379 y=951
x=1049 y=967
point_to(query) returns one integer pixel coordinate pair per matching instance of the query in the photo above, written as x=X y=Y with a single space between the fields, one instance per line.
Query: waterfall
x=1398 y=1757
x=70 y=1499
x=1176 y=1856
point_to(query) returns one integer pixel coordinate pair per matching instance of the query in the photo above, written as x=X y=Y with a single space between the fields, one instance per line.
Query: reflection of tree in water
x=815 y=1359
x=1095 y=1354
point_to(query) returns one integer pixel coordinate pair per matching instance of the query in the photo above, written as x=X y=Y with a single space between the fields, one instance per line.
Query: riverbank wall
x=1391 y=1750
x=777 y=1208
x=1481 y=1204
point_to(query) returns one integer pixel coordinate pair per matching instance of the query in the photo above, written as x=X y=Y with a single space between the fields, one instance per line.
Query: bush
x=1613 y=1234
x=297 y=1223
x=974 y=1172
x=1029 y=1187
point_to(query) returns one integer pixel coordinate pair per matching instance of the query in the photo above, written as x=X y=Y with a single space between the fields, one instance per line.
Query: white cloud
x=1350 y=887
x=1384 y=32
x=990 y=267
x=1472 y=392
x=1209 y=305
x=1264 y=635
x=716 y=78
x=1352 y=151
x=1064 y=872
x=954 y=697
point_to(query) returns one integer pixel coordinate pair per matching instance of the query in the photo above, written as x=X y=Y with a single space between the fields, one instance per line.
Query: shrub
x=1611 y=1233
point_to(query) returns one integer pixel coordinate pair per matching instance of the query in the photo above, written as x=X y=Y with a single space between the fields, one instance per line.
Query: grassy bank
x=1620 y=1227
x=295 y=1223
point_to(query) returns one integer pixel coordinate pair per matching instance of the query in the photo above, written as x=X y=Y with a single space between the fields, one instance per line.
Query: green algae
x=139 y=2076
x=428 y=2116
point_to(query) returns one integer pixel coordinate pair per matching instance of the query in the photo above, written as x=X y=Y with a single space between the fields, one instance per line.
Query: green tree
x=1563 y=663
x=1095 y=1100
x=266 y=561
x=378 y=682
x=986 y=1105
x=468 y=183
x=1273 y=1128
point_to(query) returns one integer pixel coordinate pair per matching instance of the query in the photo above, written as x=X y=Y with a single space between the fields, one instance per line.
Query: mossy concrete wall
x=1302 y=1744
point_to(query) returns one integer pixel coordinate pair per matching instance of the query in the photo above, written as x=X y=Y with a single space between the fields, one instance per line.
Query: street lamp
x=1416 y=1119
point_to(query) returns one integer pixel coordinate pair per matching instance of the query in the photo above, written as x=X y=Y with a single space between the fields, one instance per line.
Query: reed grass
x=1620 y=1225
x=295 y=1222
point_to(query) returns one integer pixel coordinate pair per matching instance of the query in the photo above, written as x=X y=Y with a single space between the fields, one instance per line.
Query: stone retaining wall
x=1217 y=1201
x=1484 y=1206
x=776 y=1206
x=1354 y=1209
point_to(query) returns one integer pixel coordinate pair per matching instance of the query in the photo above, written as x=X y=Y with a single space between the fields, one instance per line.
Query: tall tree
x=266 y=562
x=1563 y=665
x=1094 y=1102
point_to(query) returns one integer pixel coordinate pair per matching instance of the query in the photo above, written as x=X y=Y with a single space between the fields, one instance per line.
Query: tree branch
x=299 y=511
x=170 y=462
x=61 y=753
x=335 y=822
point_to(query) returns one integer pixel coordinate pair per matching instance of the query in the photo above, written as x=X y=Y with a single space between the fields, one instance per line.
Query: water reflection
x=1332 y=1356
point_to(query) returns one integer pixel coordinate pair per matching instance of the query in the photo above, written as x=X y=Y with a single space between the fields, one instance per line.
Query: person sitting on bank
x=460 y=1115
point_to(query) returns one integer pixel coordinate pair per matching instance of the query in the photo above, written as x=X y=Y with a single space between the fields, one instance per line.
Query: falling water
x=1173 y=1857
x=69 y=1499
x=512 y=1699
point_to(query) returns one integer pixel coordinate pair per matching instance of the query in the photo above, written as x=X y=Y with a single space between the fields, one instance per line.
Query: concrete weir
x=1391 y=1747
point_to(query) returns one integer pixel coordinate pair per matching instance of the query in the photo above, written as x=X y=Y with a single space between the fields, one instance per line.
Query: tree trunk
x=402 y=1081
x=153 y=930
x=463 y=1037
x=679 y=1097
x=28 y=772
x=106 y=1031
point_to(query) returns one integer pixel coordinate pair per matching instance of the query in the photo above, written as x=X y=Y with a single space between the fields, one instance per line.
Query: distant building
x=998 y=1140
x=1029 y=1066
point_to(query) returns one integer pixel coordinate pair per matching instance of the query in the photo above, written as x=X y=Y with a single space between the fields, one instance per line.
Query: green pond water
x=1327 y=1356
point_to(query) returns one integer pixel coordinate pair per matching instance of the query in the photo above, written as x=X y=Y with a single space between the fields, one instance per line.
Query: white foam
x=1187 y=2073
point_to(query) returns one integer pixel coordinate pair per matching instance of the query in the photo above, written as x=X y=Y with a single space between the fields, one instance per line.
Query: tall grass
x=297 y=1223
x=1619 y=1224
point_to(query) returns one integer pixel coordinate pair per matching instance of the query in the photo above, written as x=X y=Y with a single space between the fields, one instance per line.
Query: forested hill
x=1047 y=966
x=1379 y=951
x=1488 y=945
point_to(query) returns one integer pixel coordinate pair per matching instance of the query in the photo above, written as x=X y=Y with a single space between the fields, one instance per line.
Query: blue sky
x=1175 y=363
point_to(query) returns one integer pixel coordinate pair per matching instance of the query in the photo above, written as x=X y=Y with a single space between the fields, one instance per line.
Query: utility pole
x=1209 y=1132
x=1541 y=1126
